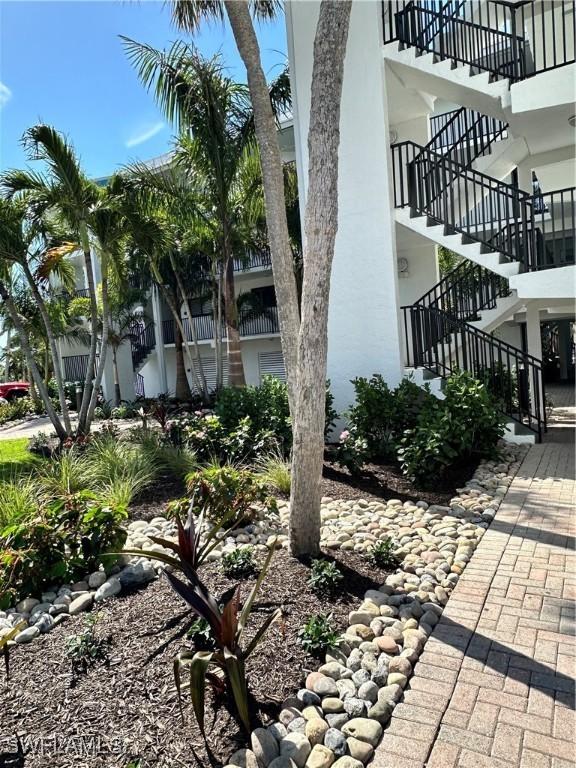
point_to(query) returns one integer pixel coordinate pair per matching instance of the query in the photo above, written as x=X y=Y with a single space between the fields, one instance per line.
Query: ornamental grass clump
x=273 y=470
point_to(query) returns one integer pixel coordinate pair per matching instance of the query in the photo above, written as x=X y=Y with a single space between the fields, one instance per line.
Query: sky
x=62 y=63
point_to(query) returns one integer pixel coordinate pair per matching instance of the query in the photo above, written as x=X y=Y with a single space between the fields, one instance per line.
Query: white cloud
x=5 y=94
x=144 y=135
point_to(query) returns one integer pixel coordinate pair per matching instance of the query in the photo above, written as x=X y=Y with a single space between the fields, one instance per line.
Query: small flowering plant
x=350 y=452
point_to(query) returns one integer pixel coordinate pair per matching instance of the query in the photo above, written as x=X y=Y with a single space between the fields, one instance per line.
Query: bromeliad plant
x=223 y=667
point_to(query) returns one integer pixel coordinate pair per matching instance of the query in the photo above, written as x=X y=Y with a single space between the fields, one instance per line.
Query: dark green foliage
x=201 y=634
x=17 y=408
x=85 y=649
x=325 y=578
x=381 y=415
x=266 y=406
x=466 y=424
x=382 y=554
x=351 y=451
x=226 y=492
x=330 y=411
x=239 y=563
x=68 y=537
x=318 y=635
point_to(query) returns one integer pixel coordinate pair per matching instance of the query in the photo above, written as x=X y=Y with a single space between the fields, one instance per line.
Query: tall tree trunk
x=320 y=227
x=41 y=304
x=168 y=297
x=33 y=391
x=182 y=387
x=88 y=384
x=103 y=346
x=117 y=392
x=197 y=357
x=36 y=376
x=236 y=377
x=217 y=315
x=7 y=355
x=273 y=181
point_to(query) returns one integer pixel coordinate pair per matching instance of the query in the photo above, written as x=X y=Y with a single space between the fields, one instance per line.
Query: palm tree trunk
x=179 y=324
x=197 y=358
x=273 y=181
x=7 y=355
x=217 y=315
x=182 y=387
x=236 y=377
x=321 y=224
x=103 y=345
x=41 y=304
x=117 y=393
x=33 y=391
x=36 y=376
x=88 y=384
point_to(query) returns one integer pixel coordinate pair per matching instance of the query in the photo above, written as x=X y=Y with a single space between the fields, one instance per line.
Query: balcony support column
x=534 y=344
x=157 y=317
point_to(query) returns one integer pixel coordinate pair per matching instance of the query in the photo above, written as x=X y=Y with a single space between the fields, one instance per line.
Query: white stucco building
x=458 y=128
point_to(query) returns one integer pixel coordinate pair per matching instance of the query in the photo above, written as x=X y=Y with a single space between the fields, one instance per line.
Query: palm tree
x=189 y=15
x=62 y=190
x=22 y=244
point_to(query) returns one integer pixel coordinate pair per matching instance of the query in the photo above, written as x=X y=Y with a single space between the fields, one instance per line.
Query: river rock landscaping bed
x=336 y=716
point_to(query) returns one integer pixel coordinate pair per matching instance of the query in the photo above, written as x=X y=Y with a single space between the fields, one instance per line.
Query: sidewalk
x=494 y=687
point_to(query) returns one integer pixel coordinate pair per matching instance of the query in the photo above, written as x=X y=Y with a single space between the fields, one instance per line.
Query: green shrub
x=112 y=463
x=201 y=634
x=318 y=635
x=18 y=408
x=87 y=648
x=382 y=554
x=325 y=578
x=381 y=415
x=226 y=491
x=239 y=563
x=350 y=452
x=273 y=470
x=466 y=424
x=64 y=474
x=66 y=538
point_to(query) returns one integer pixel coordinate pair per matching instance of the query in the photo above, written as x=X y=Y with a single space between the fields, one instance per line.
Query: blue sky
x=63 y=63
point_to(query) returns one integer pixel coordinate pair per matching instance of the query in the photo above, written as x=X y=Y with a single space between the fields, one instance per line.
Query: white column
x=157 y=317
x=564 y=347
x=534 y=341
x=363 y=322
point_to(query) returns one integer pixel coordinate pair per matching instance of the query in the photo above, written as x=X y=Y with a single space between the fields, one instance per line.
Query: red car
x=10 y=390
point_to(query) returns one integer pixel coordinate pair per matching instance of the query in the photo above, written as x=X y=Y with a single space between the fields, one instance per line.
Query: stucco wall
x=363 y=319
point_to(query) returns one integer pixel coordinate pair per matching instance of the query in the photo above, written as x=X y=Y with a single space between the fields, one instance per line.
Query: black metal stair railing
x=443 y=345
x=466 y=291
x=464 y=135
x=513 y=40
x=465 y=201
x=142 y=342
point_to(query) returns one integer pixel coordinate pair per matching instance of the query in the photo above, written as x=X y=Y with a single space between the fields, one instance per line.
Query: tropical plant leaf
x=237 y=680
x=201 y=602
x=230 y=620
x=261 y=632
x=198 y=669
x=245 y=615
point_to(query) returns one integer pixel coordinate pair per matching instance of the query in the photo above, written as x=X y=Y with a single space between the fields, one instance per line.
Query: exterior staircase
x=143 y=343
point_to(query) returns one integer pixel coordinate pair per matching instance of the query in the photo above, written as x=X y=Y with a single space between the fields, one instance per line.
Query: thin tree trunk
x=273 y=181
x=88 y=384
x=36 y=376
x=236 y=377
x=33 y=391
x=217 y=315
x=40 y=303
x=103 y=345
x=7 y=355
x=320 y=227
x=197 y=357
x=182 y=387
x=117 y=392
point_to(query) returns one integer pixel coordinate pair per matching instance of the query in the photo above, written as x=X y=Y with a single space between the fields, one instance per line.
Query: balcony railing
x=514 y=40
x=250 y=325
x=255 y=260
x=79 y=293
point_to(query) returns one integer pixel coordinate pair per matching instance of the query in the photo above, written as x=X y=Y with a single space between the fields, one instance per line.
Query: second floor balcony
x=264 y=324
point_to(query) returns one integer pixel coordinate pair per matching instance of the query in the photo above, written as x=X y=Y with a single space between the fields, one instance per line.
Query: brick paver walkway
x=494 y=687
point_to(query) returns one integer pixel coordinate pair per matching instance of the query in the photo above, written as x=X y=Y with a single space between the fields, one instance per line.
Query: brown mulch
x=386 y=481
x=128 y=709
